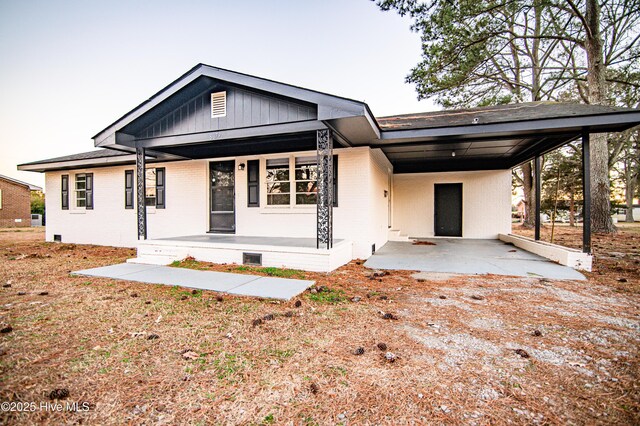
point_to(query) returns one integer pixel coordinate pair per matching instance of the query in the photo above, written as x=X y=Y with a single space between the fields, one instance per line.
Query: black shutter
x=64 y=192
x=335 y=181
x=253 y=183
x=128 y=189
x=89 y=177
x=160 y=188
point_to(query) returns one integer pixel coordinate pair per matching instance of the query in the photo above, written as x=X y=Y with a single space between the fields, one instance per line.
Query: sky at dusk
x=70 y=68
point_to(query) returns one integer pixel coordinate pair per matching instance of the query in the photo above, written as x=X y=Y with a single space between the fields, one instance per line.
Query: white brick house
x=235 y=166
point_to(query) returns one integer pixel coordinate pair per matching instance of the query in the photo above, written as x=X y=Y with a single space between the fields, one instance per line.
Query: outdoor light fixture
x=453 y=153
x=241 y=166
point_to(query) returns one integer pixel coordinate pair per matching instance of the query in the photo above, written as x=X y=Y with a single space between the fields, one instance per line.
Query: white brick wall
x=187 y=205
x=486 y=202
x=379 y=181
x=109 y=223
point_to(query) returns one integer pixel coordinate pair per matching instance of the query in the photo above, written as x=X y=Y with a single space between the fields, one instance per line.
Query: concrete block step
x=396 y=235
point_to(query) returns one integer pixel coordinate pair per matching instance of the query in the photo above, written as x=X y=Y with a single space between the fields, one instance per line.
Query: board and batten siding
x=486 y=202
x=244 y=109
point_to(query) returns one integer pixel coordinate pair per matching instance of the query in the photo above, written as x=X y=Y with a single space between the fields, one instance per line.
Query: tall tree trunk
x=629 y=190
x=529 y=196
x=600 y=191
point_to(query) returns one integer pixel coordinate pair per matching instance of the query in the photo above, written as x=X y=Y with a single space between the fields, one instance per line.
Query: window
x=278 y=182
x=306 y=174
x=81 y=190
x=150 y=187
x=304 y=183
x=154 y=188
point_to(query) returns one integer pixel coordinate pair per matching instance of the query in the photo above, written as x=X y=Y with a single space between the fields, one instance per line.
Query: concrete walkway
x=238 y=284
x=469 y=257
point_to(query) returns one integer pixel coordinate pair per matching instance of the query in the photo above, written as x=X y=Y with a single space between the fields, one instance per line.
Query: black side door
x=223 y=203
x=448 y=209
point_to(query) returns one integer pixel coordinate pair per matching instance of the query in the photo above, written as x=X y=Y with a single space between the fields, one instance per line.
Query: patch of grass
x=330 y=296
x=271 y=271
x=188 y=263
x=308 y=420
x=280 y=354
x=228 y=366
x=191 y=263
x=179 y=293
x=269 y=419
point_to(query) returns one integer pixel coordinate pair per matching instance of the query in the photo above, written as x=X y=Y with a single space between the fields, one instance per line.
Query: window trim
x=267 y=183
x=306 y=208
x=76 y=198
x=295 y=182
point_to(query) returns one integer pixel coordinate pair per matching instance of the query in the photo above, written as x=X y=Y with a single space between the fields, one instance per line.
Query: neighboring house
x=621 y=213
x=228 y=167
x=15 y=202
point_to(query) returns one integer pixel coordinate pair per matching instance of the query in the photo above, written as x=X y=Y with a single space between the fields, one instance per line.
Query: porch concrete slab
x=239 y=284
x=469 y=257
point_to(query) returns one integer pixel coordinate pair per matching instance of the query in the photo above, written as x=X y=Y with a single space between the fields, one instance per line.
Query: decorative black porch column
x=141 y=191
x=538 y=189
x=324 y=142
x=586 y=189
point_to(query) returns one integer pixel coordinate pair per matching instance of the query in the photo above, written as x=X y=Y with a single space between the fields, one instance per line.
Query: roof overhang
x=492 y=145
x=74 y=164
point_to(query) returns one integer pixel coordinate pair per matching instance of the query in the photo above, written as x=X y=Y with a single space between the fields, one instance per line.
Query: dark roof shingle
x=491 y=114
x=102 y=153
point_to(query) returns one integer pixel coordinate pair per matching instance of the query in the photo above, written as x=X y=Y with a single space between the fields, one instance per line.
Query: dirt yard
x=459 y=350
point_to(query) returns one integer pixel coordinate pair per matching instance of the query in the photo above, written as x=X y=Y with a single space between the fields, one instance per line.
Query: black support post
x=141 y=188
x=586 y=189
x=324 y=141
x=538 y=189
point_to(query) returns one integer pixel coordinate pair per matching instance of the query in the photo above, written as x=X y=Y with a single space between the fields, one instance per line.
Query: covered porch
x=277 y=252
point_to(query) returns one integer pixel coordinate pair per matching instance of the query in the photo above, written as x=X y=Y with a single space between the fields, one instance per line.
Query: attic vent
x=218 y=104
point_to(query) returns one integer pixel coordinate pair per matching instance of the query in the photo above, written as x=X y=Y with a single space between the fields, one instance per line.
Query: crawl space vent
x=218 y=104
x=254 y=259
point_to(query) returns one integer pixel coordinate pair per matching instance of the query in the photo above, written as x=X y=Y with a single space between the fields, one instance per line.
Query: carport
x=468 y=257
x=499 y=137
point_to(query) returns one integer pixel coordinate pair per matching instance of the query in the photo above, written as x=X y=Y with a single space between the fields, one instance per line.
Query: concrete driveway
x=469 y=257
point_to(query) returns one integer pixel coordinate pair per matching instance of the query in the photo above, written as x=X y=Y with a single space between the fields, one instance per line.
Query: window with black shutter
x=128 y=189
x=160 y=188
x=64 y=192
x=253 y=183
x=89 y=191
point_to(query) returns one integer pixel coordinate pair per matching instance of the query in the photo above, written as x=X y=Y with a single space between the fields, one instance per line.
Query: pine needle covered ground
x=474 y=349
